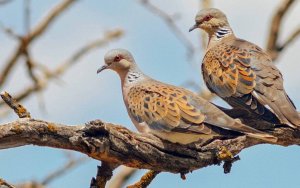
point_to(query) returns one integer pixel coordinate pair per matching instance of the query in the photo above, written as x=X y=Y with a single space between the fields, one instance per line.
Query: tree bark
x=118 y=145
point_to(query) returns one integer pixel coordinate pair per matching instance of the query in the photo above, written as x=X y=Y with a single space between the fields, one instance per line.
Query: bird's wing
x=244 y=75
x=172 y=109
x=269 y=88
x=227 y=71
x=167 y=108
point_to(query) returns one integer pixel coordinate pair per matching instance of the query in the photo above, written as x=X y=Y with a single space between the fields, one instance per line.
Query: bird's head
x=210 y=20
x=119 y=60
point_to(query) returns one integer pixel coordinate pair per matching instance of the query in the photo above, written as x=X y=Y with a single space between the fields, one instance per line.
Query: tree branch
x=170 y=22
x=120 y=179
x=4 y=2
x=104 y=174
x=115 y=145
x=62 y=170
x=64 y=66
x=290 y=39
x=4 y=184
x=118 y=145
x=26 y=40
x=145 y=180
x=49 y=18
x=273 y=47
x=12 y=103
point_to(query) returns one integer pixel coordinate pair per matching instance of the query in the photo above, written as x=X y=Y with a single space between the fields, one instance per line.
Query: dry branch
x=62 y=170
x=121 y=178
x=145 y=180
x=4 y=184
x=273 y=46
x=170 y=22
x=13 y=104
x=3 y=2
x=36 y=32
x=9 y=32
x=64 y=66
x=71 y=163
x=49 y=18
x=118 y=145
x=104 y=174
x=115 y=145
x=104 y=40
x=290 y=39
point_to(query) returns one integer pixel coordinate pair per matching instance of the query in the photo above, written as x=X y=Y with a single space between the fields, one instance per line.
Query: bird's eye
x=117 y=58
x=207 y=18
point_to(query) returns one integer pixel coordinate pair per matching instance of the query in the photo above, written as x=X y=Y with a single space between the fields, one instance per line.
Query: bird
x=242 y=74
x=169 y=112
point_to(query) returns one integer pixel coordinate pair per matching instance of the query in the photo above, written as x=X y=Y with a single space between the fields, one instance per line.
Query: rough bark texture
x=118 y=145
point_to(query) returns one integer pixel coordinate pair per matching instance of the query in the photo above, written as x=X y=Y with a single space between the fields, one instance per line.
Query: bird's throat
x=218 y=35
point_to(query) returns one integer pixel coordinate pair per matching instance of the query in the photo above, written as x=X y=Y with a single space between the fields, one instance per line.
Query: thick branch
x=116 y=144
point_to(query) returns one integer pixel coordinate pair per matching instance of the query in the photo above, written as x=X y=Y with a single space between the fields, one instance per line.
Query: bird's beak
x=193 y=27
x=102 y=68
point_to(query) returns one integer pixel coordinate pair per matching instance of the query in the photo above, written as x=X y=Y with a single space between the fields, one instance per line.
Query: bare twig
x=108 y=37
x=26 y=92
x=62 y=170
x=9 y=65
x=204 y=39
x=9 y=32
x=273 y=48
x=64 y=66
x=36 y=32
x=13 y=104
x=71 y=163
x=145 y=180
x=290 y=39
x=49 y=18
x=120 y=179
x=27 y=18
x=170 y=22
x=4 y=184
x=3 y=2
x=30 y=66
x=30 y=184
x=104 y=173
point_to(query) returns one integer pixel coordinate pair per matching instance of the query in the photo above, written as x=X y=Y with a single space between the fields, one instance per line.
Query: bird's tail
x=284 y=108
x=254 y=133
x=288 y=109
x=263 y=136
